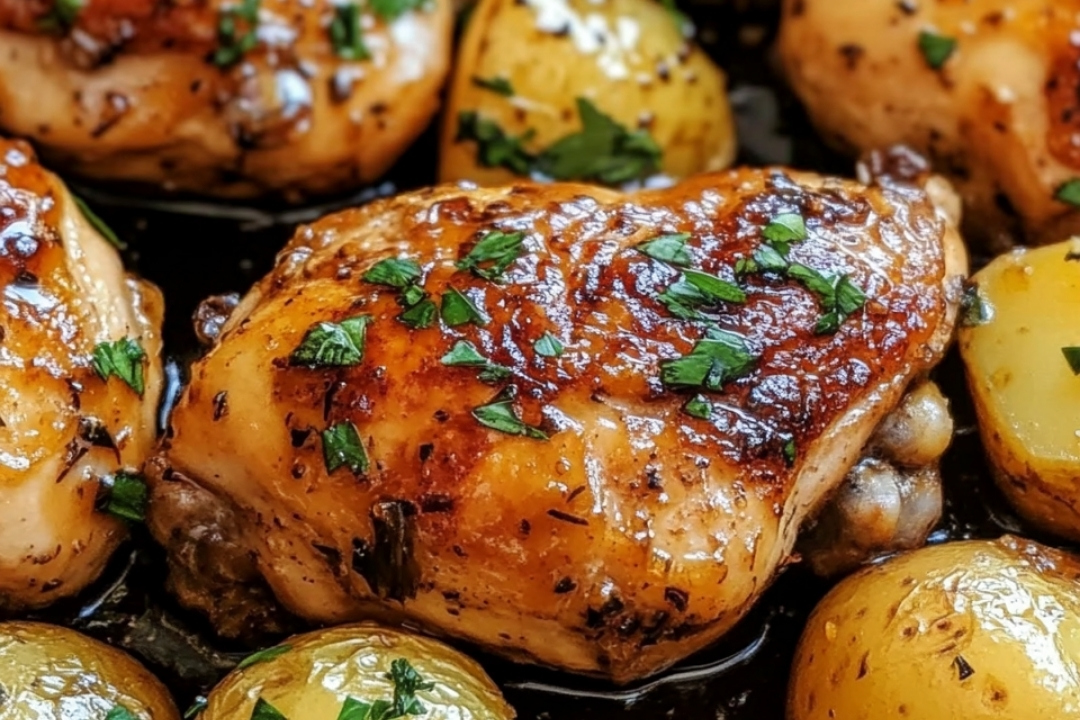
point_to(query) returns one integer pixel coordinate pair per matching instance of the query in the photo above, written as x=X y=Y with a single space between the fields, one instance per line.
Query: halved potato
x=978 y=630
x=51 y=673
x=325 y=673
x=523 y=66
x=1026 y=393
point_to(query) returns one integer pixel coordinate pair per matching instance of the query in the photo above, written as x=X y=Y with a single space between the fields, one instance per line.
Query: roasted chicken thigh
x=573 y=426
x=224 y=97
x=987 y=88
x=80 y=378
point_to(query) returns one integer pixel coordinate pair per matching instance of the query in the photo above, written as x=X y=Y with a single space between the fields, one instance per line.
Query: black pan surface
x=195 y=249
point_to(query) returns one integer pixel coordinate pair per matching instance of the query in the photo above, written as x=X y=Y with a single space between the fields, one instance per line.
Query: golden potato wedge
x=979 y=630
x=524 y=67
x=319 y=674
x=1026 y=394
x=52 y=673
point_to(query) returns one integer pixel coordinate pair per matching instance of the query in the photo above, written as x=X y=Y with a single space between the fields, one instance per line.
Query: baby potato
x=979 y=630
x=52 y=673
x=608 y=91
x=1025 y=387
x=325 y=673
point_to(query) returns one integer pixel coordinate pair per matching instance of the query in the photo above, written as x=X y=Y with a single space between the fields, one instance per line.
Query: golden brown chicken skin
x=988 y=88
x=573 y=475
x=65 y=431
x=223 y=97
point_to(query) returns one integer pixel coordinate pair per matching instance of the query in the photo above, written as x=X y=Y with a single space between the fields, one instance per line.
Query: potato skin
x=52 y=673
x=661 y=83
x=980 y=630
x=321 y=669
x=1026 y=396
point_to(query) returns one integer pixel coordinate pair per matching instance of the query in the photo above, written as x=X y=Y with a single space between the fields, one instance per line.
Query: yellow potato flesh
x=52 y=673
x=1026 y=395
x=979 y=630
x=320 y=670
x=644 y=76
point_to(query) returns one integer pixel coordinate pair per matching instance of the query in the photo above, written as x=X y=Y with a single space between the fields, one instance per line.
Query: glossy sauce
x=192 y=256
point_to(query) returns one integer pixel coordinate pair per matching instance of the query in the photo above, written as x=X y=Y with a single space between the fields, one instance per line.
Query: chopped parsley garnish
x=407 y=682
x=232 y=42
x=547 y=345
x=342 y=447
x=123 y=358
x=713 y=289
x=791 y=452
x=839 y=297
x=465 y=354
x=411 y=295
x=974 y=310
x=393 y=272
x=329 y=344
x=699 y=407
x=265 y=711
x=783 y=230
x=346 y=33
x=1069 y=193
x=420 y=315
x=677 y=16
x=265 y=655
x=936 y=49
x=668 y=248
x=603 y=150
x=62 y=16
x=98 y=224
x=393 y=9
x=458 y=309
x=127 y=497
x=717 y=358
x=353 y=709
x=1072 y=356
x=499 y=85
x=493 y=254
x=119 y=712
x=500 y=415
x=196 y=707
x=494 y=148
x=766 y=258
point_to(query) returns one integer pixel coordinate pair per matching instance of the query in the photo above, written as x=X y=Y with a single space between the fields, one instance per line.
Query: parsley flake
x=265 y=655
x=500 y=415
x=119 y=712
x=196 y=707
x=458 y=309
x=346 y=33
x=699 y=407
x=232 y=43
x=61 y=17
x=1069 y=193
x=839 y=297
x=353 y=709
x=98 y=224
x=390 y=10
x=603 y=150
x=936 y=49
x=1072 y=356
x=547 y=345
x=123 y=358
x=974 y=309
x=498 y=248
x=784 y=230
x=498 y=85
x=668 y=248
x=494 y=148
x=791 y=452
x=329 y=344
x=393 y=272
x=465 y=354
x=419 y=316
x=719 y=357
x=126 y=497
x=265 y=711
x=407 y=682
x=342 y=447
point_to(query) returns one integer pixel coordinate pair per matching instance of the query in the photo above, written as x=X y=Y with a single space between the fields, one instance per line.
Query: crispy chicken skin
x=139 y=90
x=1001 y=117
x=62 y=428
x=635 y=533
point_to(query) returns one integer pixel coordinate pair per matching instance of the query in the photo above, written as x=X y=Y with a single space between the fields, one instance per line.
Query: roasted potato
x=1025 y=389
x=52 y=673
x=979 y=630
x=530 y=74
x=319 y=674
